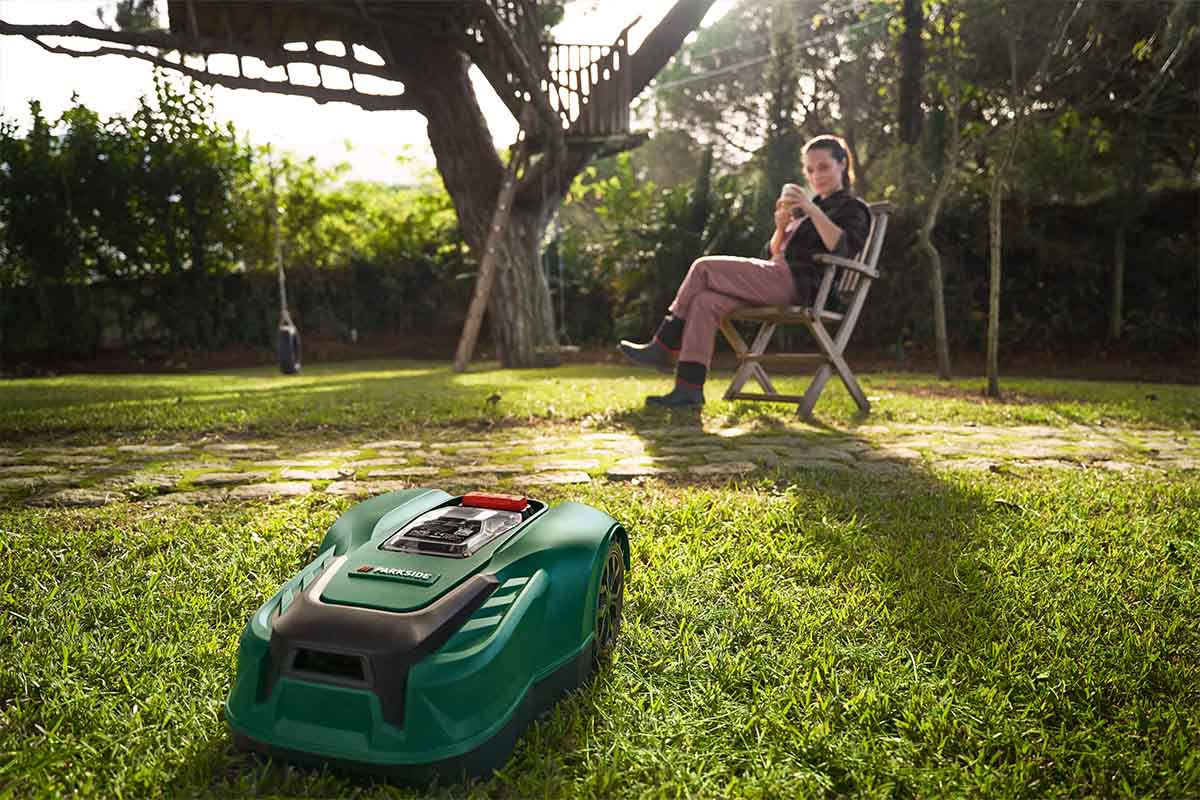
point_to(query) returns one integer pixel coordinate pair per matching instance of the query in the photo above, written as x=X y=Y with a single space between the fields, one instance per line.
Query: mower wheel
x=610 y=601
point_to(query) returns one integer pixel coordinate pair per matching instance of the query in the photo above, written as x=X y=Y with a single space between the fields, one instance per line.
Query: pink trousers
x=716 y=285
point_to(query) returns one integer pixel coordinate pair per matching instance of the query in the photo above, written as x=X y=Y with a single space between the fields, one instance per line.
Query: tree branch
x=272 y=57
x=371 y=102
x=664 y=41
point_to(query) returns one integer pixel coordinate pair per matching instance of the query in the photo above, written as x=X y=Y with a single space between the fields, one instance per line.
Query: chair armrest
x=847 y=263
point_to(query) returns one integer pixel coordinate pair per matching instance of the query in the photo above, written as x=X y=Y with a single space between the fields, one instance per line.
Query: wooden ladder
x=487 y=264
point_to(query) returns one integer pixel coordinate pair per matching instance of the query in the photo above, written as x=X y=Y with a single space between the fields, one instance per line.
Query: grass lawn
x=1020 y=633
x=397 y=394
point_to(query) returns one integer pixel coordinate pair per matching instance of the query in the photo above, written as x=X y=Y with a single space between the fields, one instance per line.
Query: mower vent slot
x=336 y=666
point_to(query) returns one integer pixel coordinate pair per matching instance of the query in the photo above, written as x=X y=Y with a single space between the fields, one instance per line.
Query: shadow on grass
x=906 y=524
x=892 y=541
x=406 y=395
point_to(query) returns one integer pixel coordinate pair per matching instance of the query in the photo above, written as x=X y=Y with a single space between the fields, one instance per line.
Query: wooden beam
x=784 y=358
x=770 y=398
x=487 y=264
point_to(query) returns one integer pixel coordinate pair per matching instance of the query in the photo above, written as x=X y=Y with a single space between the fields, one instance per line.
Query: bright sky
x=111 y=85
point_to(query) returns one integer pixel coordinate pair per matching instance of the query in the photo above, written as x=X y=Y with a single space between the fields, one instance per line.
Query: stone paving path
x=205 y=471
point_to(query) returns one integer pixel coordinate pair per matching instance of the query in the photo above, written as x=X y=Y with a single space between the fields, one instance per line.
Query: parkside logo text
x=395 y=574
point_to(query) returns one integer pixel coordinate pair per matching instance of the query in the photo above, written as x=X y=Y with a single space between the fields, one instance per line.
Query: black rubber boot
x=661 y=350
x=653 y=354
x=689 y=387
x=681 y=396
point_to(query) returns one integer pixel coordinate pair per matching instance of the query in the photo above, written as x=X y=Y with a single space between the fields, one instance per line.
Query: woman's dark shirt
x=848 y=213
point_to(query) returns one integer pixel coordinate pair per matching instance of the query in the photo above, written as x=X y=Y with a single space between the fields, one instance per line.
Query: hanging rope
x=289 y=335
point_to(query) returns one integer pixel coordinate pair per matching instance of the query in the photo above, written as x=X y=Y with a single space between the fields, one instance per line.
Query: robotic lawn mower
x=429 y=632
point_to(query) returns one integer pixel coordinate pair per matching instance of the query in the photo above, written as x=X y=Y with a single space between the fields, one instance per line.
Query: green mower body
x=428 y=632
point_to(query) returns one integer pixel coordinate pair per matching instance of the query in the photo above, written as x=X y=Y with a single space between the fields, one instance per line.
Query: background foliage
x=152 y=233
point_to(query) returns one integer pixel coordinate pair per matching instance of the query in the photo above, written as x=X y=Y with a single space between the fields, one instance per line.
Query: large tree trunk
x=519 y=311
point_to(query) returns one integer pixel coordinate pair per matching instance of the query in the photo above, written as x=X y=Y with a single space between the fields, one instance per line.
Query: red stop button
x=502 y=502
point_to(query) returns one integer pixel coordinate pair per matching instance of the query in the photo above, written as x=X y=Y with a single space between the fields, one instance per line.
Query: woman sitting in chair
x=834 y=221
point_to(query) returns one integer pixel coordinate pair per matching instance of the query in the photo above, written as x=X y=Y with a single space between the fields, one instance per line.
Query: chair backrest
x=870 y=254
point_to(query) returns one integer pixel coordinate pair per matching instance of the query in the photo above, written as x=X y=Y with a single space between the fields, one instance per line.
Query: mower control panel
x=453 y=531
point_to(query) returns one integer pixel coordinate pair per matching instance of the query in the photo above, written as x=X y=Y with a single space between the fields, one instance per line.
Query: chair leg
x=761 y=340
x=852 y=386
x=759 y=374
x=742 y=373
x=749 y=369
x=815 y=387
x=836 y=362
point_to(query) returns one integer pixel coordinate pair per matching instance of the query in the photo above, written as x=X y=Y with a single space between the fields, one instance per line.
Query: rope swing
x=289 y=334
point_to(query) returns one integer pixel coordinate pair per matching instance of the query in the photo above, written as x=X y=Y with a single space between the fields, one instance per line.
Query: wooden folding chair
x=853 y=279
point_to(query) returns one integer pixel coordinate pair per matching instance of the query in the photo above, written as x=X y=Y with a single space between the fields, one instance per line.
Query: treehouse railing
x=576 y=74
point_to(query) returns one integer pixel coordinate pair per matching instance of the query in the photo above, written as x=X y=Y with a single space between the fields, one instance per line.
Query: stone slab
x=761 y=455
x=1124 y=467
x=392 y=444
x=25 y=469
x=630 y=471
x=566 y=464
x=489 y=469
x=365 y=488
x=258 y=491
x=378 y=462
x=239 y=448
x=328 y=474
x=607 y=437
x=197 y=498
x=292 y=462
x=820 y=454
x=1183 y=464
x=965 y=464
x=552 y=478
x=330 y=455
x=34 y=481
x=153 y=449
x=886 y=453
x=143 y=481
x=816 y=463
x=75 y=460
x=226 y=478
x=404 y=472
x=727 y=468
x=76 y=497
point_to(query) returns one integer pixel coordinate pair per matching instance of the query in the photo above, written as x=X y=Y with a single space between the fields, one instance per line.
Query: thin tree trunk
x=995 y=201
x=1132 y=200
x=995 y=207
x=1116 y=306
x=926 y=245
x=911 y=63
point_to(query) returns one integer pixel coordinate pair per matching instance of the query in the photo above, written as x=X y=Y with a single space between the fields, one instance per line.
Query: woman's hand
x=806 y=205
x=783 y=214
